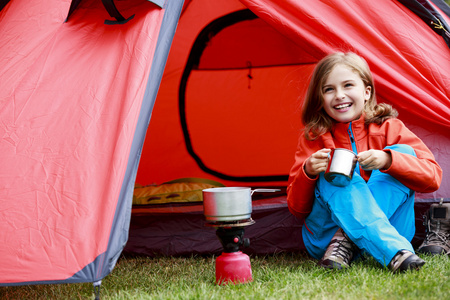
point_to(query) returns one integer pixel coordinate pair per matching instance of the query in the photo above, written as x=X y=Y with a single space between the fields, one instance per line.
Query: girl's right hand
x=317 y=162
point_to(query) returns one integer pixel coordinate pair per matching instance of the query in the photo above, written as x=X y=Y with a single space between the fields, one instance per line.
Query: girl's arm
x=421 y=173
x=300 y=189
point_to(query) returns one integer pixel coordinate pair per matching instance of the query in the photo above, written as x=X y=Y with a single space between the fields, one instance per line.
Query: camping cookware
x=229 y=203
x=341 y=165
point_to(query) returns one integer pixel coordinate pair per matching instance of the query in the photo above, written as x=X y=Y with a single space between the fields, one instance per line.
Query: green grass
x=281 y=276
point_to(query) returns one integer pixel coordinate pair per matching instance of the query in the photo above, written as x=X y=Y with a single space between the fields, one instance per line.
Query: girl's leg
x=359 y=216
x=318 y=228
x=395 y=199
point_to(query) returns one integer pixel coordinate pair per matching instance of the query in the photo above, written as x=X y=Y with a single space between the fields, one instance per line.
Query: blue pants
x=378 y=216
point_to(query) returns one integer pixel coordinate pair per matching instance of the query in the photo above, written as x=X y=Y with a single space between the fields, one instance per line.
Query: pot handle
x=265 y=191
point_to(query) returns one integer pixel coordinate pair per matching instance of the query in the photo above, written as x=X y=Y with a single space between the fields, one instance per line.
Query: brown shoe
x=339 y=252
x=405 y=260
x=437 y=224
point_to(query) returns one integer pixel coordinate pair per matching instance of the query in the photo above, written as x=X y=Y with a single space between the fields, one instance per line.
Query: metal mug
x=340 y=168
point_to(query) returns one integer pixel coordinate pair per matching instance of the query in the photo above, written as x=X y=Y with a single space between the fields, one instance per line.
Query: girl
x=375 y=212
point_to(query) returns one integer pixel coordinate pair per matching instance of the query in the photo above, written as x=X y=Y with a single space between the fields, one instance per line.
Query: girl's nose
x=340 y=94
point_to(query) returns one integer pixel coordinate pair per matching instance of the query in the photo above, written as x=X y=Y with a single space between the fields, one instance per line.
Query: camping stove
x=232 y=266
x=229 y=210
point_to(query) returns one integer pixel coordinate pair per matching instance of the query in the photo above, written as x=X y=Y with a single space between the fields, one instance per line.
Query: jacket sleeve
x=421 y=173
x=300 y=189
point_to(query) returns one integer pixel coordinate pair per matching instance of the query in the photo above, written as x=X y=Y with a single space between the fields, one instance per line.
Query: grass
x=280 y=276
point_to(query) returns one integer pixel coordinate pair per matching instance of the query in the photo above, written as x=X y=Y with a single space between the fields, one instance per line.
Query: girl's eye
x=327 y=89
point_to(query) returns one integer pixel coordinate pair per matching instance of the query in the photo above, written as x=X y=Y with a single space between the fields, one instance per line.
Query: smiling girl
x=374 y=214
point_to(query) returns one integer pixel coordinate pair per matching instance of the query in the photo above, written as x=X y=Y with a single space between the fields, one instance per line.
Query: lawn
x=280 y=276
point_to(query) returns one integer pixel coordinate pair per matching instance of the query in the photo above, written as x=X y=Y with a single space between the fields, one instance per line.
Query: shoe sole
x=416 y=265
x=331 y=265
x=432 y=250
x=413 y=266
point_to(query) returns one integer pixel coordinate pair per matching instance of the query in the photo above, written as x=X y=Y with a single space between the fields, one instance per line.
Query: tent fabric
x=409 y=71
x=228 y=105
x=76 y=98
x=238 y=124
x=409 y=64
x=430 y=15
x=442 y=6
x=77 y=94
x=240 y=33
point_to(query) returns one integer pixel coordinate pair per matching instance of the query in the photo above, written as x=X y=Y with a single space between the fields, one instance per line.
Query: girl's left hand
x=374 y=159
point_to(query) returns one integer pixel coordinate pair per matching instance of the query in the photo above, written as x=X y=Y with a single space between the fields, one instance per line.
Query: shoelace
x=439 y=237
x=344 y=249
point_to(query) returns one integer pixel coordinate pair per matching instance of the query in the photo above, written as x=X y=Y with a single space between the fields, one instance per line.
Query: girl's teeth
x=342 y=106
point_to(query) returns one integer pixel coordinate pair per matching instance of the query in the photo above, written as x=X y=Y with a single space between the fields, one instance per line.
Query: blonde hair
x=314 y=117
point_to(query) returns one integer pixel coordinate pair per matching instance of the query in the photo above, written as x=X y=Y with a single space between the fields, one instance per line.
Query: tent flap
x=72 y=95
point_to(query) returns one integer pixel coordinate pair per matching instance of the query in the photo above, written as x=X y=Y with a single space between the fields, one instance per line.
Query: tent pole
x=97 y=285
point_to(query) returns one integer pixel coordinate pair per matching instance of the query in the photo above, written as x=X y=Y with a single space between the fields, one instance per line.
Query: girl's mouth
x=342 y=106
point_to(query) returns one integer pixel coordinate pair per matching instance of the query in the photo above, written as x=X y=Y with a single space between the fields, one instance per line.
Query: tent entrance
x=239 y=66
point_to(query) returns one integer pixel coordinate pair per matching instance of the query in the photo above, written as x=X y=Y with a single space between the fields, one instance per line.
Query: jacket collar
x=358 y=126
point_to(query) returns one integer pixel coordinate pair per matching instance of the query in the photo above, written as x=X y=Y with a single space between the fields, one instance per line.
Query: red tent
x=228 y=108
x=77 y=93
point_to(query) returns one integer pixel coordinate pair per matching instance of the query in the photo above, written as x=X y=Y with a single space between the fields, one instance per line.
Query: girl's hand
x=317 y=162
x=374 y=160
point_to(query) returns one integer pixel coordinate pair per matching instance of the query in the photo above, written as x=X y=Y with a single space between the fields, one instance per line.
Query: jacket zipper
x=352 y=140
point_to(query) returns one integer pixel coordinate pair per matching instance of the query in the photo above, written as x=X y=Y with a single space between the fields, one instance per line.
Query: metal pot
x=229 y=203
x=341 y=165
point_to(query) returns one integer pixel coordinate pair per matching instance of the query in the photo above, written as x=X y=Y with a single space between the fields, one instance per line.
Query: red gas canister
x=233 y=268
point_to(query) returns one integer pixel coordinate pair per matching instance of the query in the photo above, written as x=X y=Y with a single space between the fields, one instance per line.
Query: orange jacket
x=421 y=173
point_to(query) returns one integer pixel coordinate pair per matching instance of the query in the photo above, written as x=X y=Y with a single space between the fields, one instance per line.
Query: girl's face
x=344 y=94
